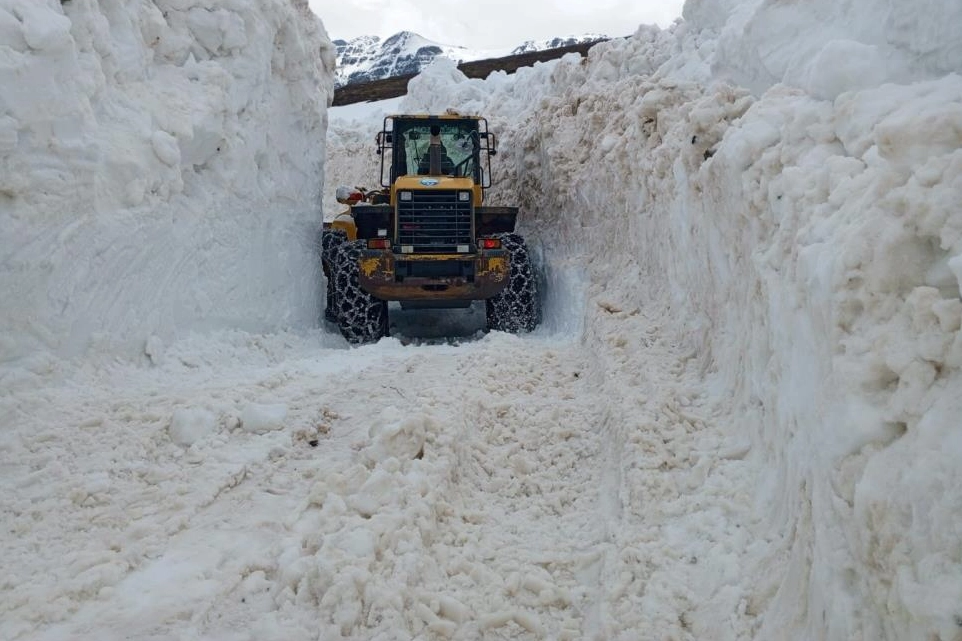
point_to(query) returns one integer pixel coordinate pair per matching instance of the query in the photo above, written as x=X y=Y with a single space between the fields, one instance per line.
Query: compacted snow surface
x=272 y=488
x=739 y=420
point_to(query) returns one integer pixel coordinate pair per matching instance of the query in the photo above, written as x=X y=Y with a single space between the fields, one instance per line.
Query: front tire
x=516 y=308
x=360 y=317
x=331 y=240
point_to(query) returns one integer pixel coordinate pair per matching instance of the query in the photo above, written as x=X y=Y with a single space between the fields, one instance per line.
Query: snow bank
x=350 y=157
x=827 y=47
x=161 y=169
x=809 y=253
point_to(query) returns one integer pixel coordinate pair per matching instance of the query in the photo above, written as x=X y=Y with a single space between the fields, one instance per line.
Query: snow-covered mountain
x=555 y=43
x=367 y=58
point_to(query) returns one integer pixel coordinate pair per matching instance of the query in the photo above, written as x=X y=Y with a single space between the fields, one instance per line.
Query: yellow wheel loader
x=425 y=239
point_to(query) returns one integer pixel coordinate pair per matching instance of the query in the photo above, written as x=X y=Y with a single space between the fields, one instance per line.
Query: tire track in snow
x=507 y=488
x=673 y=568
x=468 y=509
x=524 y=518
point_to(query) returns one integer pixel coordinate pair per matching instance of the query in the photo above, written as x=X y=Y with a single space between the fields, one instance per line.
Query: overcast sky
x=491 y=24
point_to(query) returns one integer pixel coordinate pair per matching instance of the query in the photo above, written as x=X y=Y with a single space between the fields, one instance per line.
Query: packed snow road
x=268 y=487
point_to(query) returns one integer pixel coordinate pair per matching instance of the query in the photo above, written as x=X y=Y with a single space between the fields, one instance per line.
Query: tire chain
x=362 y=318
x=516 y=308
x=331 y=239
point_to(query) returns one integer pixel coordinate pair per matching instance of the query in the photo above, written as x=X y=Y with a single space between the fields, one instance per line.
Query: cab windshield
x=459 y=147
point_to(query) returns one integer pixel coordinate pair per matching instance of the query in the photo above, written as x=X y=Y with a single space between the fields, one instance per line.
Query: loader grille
x=435 y=221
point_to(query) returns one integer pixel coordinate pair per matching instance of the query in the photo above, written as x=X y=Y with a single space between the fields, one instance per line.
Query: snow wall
x=786 y=196
x=160 y=170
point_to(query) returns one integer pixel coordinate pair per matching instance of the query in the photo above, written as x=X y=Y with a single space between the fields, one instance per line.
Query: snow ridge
x=160 y=170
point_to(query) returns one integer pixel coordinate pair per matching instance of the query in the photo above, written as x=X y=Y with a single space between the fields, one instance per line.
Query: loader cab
x=462 y=147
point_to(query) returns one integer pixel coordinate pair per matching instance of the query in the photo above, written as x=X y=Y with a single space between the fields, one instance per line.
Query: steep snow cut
x=809 y=252
x=160 y=170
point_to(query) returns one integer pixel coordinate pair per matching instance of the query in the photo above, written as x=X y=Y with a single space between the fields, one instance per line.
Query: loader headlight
x=404 y=195
x=464 y=196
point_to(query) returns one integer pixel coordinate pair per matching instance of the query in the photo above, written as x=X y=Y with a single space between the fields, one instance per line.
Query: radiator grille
x=434 y=221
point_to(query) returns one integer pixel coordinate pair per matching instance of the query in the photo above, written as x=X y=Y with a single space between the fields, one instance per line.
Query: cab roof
x=444 y=116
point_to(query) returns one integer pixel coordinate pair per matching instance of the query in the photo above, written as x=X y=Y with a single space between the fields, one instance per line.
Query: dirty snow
x=739 y=420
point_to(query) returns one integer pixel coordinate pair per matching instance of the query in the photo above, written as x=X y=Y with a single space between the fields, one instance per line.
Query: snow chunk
x=259 y=419
x=8 y=134
x=403 y=439
x=955 y=264
x=188 y=425
x=451 y=608
x=45 y=30
x=154 y=349
x=844 y=65
x=357 y=542
x=166 y=148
